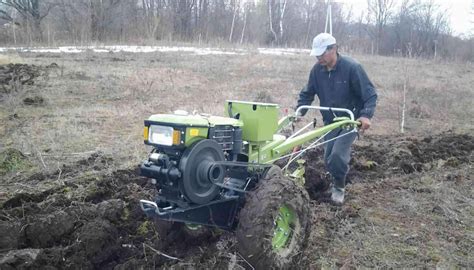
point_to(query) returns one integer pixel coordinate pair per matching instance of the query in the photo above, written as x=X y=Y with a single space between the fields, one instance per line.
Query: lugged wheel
x=195 y=231
x=274 y=224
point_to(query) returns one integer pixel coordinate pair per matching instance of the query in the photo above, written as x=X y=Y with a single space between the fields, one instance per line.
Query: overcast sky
x=460 y=12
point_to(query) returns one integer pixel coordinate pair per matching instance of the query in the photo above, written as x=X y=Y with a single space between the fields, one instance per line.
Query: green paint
x=289 y=144
x=260 y=119
x=269 y=151
x=259 y=123
x=190 y=139
x=284 y=122
x=262 y=153
x=200 y=120
x=298 y=174
x=283 y=230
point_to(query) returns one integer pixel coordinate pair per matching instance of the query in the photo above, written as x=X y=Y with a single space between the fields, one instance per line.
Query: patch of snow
x=283 y=51
x=149 y=49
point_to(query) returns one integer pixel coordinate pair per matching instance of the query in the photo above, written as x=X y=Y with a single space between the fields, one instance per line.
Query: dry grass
x=399 y=227
x=97 y=102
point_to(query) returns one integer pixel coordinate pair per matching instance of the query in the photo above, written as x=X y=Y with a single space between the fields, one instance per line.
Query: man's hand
x=364 y=123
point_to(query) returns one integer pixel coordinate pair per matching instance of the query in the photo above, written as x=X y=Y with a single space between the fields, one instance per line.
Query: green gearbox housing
x=261 y=119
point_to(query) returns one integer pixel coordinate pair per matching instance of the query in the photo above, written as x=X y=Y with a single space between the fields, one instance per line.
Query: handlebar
x=330 y=109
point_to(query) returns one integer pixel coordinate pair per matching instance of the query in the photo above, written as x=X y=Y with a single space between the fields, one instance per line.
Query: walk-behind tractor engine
x=217 y=172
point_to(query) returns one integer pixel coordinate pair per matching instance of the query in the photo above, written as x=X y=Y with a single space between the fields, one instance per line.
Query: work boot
x=327 y=192
x=337 y=196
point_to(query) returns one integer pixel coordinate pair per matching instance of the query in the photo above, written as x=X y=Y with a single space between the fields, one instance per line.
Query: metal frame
x=219 y=213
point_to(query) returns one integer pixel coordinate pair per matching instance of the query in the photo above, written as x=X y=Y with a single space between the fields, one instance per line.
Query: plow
x=212 y=171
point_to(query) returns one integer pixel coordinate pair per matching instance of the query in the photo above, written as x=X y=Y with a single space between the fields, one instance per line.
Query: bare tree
x=419 y=28
x=470 y=34
x=379 y=12
x=406 y=81
x=235 y=7
x=270 y=16
x=104 y=15
x=312 y=10
x=151 y=10
x=5 y=14
x=246 y=11
x=183 y=12
x=32 y=13
x=282 y=14
x=415 y=28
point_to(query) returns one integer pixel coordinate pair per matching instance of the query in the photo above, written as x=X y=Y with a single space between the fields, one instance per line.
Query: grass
x=95 y=102
x=400 y=228
x=12 y=160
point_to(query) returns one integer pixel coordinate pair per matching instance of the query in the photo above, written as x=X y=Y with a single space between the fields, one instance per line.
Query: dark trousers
x=337 y=154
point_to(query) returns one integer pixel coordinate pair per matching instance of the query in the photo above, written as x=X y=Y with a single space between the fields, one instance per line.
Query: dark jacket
x=345 y=86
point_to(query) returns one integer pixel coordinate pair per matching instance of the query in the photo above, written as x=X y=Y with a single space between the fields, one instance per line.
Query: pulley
x=200 y=171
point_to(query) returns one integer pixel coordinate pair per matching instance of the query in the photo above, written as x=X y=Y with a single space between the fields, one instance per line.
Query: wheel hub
x=283 y=229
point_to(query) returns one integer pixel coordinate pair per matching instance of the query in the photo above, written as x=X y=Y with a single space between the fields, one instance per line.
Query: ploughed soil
x=409 y=204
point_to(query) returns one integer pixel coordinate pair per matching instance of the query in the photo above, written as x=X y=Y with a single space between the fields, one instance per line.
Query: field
x=71 y=141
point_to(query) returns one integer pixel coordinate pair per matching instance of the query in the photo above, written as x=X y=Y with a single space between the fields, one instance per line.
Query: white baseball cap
x=321 y=42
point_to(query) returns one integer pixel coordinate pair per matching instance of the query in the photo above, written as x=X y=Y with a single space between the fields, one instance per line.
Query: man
x=338 y=81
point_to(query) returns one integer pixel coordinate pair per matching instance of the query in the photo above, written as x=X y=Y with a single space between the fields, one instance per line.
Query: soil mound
x=35 y=100
x=91 y=221
x=14 y=75
x=387 y=156
x=22 y=73
x=91 y=218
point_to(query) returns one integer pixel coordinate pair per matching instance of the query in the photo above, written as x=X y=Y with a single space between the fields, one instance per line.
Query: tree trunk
x=244 y=27
x=94 y=10
x=236 y=4
x=270 y=7
x=308 y=27
x=14 y=32
x=184 y=12
x=282 y=13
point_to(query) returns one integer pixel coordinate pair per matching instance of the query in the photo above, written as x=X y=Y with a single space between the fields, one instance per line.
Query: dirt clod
x=401 y=189
x=18 y=74
x=36 y=101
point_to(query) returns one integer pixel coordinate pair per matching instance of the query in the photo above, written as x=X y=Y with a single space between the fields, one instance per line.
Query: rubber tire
x=256 y=222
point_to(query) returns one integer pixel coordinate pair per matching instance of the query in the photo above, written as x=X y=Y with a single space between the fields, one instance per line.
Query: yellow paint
x=145 y=133
x=194 y=132
x=176 y=137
